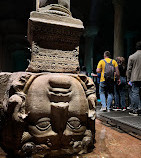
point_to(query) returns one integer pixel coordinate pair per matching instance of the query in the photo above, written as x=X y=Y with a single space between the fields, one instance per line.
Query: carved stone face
x=57 y=119
x=49 y=114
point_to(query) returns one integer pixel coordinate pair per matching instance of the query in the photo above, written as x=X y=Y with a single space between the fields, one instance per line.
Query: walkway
x=122 y=121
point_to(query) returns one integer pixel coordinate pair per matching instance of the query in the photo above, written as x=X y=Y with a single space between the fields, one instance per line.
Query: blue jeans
x=136 y=98
x=103 y=89
x=130 y=98
x=120 y=93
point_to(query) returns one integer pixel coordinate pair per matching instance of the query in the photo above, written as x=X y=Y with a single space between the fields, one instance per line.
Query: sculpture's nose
x=59 y=116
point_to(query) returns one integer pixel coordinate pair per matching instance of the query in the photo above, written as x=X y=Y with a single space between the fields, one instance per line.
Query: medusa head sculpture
x=50 y=115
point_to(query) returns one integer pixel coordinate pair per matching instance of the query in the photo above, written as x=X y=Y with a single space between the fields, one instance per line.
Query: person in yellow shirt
x=107 y=87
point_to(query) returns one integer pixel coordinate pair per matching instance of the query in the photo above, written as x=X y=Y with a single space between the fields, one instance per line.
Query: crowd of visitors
x=114 y=76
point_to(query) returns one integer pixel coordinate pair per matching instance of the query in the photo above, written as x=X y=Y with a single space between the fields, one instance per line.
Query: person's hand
x=94 y=75
x=129 y=83
x=118 y=81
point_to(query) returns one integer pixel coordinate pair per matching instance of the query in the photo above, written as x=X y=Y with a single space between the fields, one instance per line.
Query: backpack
x=109 y=71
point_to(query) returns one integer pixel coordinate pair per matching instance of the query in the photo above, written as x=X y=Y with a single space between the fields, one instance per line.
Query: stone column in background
x=130 y=45
x=89 y=35
x=118 y=28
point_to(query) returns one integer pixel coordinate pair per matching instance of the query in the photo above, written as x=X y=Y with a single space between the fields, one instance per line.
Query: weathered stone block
x=54 y=40
x=54 y=32
x=53 y=60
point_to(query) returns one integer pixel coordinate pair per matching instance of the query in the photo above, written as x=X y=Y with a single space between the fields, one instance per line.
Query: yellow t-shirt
x=101 y=65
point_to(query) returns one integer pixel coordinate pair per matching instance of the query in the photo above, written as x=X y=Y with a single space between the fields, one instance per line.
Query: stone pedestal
x=54 y=40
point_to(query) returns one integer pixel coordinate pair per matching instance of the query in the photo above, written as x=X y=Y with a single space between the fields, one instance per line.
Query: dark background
x=14 y=15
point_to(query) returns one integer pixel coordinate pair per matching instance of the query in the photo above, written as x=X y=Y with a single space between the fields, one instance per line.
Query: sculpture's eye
x=43 y=124
x=74 y=123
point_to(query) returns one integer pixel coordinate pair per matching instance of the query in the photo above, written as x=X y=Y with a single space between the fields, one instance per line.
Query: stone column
x=90 y=33
x=37 y=4
x=41 y=3
x=129 y=36
x=118 y=28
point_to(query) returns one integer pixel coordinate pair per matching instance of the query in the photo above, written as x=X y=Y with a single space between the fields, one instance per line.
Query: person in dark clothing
x=119 y=90
x=134 y=75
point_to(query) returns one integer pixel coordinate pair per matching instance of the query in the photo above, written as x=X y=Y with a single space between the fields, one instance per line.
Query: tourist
x=119 y=90
x=134 y=75
x=105 y=85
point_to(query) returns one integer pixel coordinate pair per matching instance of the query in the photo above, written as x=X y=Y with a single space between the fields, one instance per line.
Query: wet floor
x=110 y=144
x=114 y=144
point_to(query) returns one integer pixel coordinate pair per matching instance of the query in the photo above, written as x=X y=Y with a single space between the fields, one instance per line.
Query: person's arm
x=93 y=75
x=99 y=67
x=98 y=70
x=117 y=73
x=129 y=69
